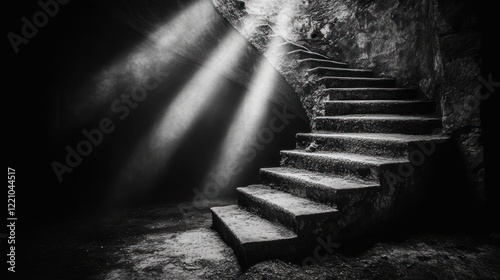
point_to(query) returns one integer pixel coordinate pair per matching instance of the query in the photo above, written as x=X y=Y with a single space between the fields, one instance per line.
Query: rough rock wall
x=430 y=45
x=394 y=38
x=457 y=26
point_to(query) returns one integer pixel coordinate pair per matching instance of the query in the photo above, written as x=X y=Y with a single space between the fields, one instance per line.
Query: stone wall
x=461 y=93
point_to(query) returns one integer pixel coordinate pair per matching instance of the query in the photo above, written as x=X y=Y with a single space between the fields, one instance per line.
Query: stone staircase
x=351 y=174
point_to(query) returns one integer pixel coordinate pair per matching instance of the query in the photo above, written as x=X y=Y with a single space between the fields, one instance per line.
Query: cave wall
x=461 y=95
x=394 y=38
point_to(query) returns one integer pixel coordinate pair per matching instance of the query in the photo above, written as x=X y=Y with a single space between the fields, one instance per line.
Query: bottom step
x=253 y=238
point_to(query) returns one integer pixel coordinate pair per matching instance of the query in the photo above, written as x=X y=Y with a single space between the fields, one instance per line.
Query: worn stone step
x=346 y=107
x=374 y=144
x=327 y=189
x=340 y=72
x=342 y=164
x=353 y=82
x=303 y=54
x=370 y=93
x=314 y=62
x=291 y=46
x=379 y=124
x=253 y=238
x=305 y=217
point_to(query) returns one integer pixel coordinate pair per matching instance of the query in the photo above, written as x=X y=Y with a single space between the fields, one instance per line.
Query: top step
x=290 y=46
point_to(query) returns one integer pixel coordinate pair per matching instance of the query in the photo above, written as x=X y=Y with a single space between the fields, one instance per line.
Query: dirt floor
x=160 y=243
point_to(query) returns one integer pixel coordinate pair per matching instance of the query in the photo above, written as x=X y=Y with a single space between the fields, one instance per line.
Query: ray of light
x=193 y=101
x=249 y=117
x=247 y=127
x=154 y=151
x=178 y=36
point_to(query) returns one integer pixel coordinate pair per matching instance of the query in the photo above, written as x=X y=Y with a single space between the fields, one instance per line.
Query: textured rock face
x=461 y=93
x=430 y=45
x=394 y=38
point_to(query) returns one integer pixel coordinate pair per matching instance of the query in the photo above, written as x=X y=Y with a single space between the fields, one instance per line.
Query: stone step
x=327 y=189
x=346 y=107
x=305 y=217
x=314 y=62
x=303 y=54
x=290 y=46
x=373 y=144
x=341 y=164
x=353 y=82
x=379 y=124
x=370 y=93
x=340 y=72
x=254 y=239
